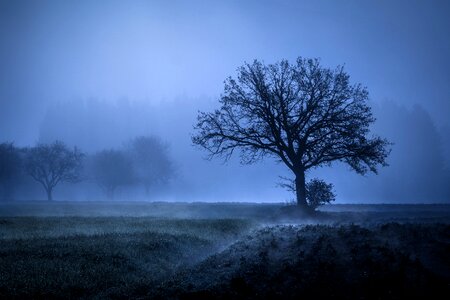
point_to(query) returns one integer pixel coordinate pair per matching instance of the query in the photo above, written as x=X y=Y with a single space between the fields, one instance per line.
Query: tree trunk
x=300 y=189
x=49 y=194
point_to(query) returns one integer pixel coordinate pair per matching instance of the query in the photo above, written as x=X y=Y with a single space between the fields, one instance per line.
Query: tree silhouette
x=151 y=161
x=50 y=164
x=303 y=114
x=10 y=169
x=112 y=169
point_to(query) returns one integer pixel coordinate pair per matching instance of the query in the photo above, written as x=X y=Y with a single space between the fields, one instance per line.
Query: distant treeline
x=142 y=162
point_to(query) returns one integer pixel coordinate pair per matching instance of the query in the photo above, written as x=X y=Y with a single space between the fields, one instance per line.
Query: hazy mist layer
x=95 y=74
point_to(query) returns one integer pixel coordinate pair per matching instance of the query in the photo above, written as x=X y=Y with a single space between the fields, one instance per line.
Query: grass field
x=180 y=250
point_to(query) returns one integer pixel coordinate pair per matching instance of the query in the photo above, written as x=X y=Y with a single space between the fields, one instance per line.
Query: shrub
x=318 y=193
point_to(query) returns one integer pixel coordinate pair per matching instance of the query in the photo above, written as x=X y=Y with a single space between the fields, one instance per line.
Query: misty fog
x=96 y=75
x=418 y=172
x=224 y=149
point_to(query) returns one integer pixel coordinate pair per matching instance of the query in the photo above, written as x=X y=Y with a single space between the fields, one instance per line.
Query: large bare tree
x=50 y=164
x=303 y=114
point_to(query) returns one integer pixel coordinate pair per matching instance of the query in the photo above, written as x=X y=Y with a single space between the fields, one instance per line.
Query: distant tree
x=303 y=114
x=10 y=169
x=50 y=164
x=112 y=169
x=151 y=161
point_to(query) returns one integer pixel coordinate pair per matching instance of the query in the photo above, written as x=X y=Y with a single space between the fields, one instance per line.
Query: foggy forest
x=224 y=149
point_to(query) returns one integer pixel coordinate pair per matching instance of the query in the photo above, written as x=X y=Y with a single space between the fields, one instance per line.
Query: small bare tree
x=50 y=164
x=303 y=114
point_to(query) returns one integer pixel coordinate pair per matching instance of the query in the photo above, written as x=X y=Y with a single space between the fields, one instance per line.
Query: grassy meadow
x=219 y=251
